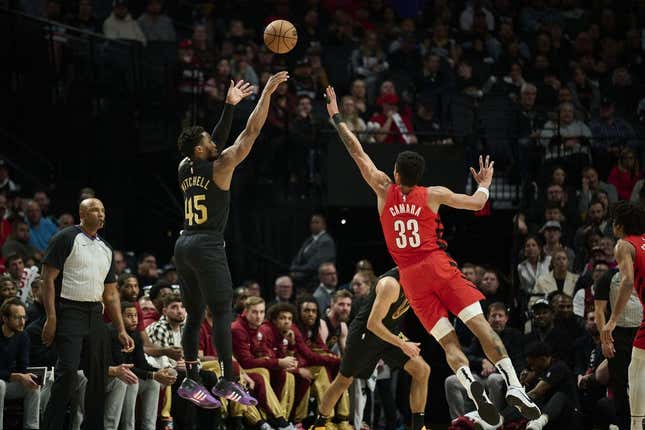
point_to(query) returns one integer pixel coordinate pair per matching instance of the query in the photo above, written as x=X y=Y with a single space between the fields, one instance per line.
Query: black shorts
x=202 y=268
x=363 y=351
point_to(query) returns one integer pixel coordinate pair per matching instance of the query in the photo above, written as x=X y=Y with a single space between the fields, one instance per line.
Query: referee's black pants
x=618 y=373
x=81 y=342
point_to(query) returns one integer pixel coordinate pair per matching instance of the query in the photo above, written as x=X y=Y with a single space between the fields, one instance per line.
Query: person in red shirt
x=629 y=228
x=396 y=127
x=260 y=362
x=625 y=174
x=431 y=280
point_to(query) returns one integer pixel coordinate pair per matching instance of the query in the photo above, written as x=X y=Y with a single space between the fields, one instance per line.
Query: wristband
x=485 y=191
x=337 y=119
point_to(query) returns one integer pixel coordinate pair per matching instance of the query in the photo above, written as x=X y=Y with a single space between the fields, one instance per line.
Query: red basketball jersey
x=411 y=229
x=639 y=281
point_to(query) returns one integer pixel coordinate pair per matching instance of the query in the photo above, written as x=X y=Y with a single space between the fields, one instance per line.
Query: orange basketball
x=280 y=36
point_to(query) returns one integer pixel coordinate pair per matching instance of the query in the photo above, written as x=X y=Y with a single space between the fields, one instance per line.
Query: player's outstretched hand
x=485 y=175
x=330 y=98
x=238 y=92
x=411 y=349
x=275 y=80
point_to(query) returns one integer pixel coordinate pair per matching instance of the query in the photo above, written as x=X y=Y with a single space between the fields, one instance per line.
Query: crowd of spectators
x=565 y=76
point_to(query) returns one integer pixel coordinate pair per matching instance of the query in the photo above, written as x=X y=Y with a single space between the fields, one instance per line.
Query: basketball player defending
x=205 y=178
x=375 y=334
x=630 y=256
x=431 y=280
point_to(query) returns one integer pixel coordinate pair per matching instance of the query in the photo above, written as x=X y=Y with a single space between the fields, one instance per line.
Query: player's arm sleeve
x=59 y=248
x=223 y=128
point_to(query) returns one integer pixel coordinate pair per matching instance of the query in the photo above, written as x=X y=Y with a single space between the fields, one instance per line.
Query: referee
x=620 y=352
x=79 y=279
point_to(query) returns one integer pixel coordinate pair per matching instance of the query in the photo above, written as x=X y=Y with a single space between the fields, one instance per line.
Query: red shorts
x=435 y=286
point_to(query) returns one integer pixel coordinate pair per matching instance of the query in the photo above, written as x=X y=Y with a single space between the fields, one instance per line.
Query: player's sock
x=418 y=421
x=192 y=370
x=505 y=367
x=466 y=377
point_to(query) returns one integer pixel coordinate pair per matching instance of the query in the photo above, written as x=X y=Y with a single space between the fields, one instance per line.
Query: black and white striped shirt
x=86 y=264
x=633 y=313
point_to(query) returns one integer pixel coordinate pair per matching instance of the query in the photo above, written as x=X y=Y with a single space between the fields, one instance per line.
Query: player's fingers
x=232 y=84
x=487 y=160
x=472 y=172
x=492 y=163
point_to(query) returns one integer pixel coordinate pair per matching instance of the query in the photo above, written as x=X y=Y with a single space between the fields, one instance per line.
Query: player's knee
x=418 y=369
x=478 y=325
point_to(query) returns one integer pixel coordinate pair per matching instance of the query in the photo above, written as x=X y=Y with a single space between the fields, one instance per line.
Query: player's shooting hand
x=237 y=92
x=411 y=349
x=485 y=175
x=275 y=80
x=330 y=98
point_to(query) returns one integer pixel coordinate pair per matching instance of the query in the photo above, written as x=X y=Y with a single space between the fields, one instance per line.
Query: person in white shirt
x=120 y=25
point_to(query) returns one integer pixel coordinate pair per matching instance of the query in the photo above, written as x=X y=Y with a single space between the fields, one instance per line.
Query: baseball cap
x=551 y=224
x=540 y=303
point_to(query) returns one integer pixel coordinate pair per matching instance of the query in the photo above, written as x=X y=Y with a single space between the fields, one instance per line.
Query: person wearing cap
x=558 y=279
x=552 y=232
x=542 y=327
x=120 y=25
x=394 y=126
x=302 y=82
x=156 y=26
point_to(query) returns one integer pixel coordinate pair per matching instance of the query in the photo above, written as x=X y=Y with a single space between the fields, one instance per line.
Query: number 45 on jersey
x=195 y=211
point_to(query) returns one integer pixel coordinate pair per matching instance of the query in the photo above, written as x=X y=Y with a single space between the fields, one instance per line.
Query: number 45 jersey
x=412 y=231
x=205 y=205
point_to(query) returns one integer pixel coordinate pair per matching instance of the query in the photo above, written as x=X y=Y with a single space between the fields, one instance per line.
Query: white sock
x=466 y=377
x=637 y=423
x=505 y=367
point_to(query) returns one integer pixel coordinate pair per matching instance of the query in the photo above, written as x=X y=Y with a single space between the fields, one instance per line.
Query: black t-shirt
x=603 y=285
x=393 y=318
x=560 y=377
x=205 y=205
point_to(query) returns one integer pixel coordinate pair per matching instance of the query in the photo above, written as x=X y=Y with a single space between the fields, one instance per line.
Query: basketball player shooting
x=431 y=280
x=205 y=176
x=630 y=255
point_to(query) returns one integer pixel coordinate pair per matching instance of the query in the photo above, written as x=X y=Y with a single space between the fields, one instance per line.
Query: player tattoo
x=499 y=345
x=348 y=139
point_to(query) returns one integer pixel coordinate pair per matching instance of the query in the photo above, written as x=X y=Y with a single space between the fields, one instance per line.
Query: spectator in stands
x=252 y=287
x=328 y=284
x=41 y=229
x=360 y=286
x=302 y=82
x=84 y=18
x=528 y=122
x=354 y=122
x=315 y=250
x=44 y=202
x=283 y=290
x=157 y=293
x=8 y=288
x=156 y=26
x=202 y=48
x=467 y=17
x=468 y=269
x=167 y=331
x=395 y=127
x=566 y=136
x=150 y=379
x=425 y=122
x=558 y=279
x=242 y=66
x=147 y=270
x=15 y=269
x=65 y=220
x=334 y=329
x=5 y=225
x=369 y=62
x=15 y=381
x=625 y=174
x=535 y=264
x=18 y=242
x=121 y=25
x=586 y=96
x=358 y=91
x=596 y=219
x=456 y=396
x=254 y=355
x=148 y=310
x=552 y=232
x=590 y=185
x=36 y=310
x=120 y=264
x=610 y=132
x=240 y=294
x=6 y=184
x=553 y=385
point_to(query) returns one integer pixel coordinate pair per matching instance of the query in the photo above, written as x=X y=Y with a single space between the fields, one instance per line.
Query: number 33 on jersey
x=411 y=229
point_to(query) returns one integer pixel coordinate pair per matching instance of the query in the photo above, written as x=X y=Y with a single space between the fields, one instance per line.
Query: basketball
x=280 y=36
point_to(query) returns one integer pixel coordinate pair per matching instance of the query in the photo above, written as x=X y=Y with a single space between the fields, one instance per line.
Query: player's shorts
x=363 y=351
x=639 y=339
x=436 y=287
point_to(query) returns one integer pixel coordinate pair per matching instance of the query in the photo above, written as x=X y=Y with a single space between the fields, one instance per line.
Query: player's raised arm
x=236 y=153
x=375 y=178
x=443 y=196
x=236 y=93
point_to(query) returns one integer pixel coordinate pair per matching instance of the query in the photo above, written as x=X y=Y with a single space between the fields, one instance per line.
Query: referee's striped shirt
x=633 y=313
x=86 y=264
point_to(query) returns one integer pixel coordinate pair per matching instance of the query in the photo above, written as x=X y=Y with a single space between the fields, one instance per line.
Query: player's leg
x=496 y=352
x=420 y=372
x=637 y=388
x=326 y=405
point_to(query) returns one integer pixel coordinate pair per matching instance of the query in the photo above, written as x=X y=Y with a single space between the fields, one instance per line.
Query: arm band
x=484 y=190
x=337 y=119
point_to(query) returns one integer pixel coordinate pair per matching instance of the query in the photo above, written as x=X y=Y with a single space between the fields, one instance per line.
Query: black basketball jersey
x=205 y=205
x=393 y=318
